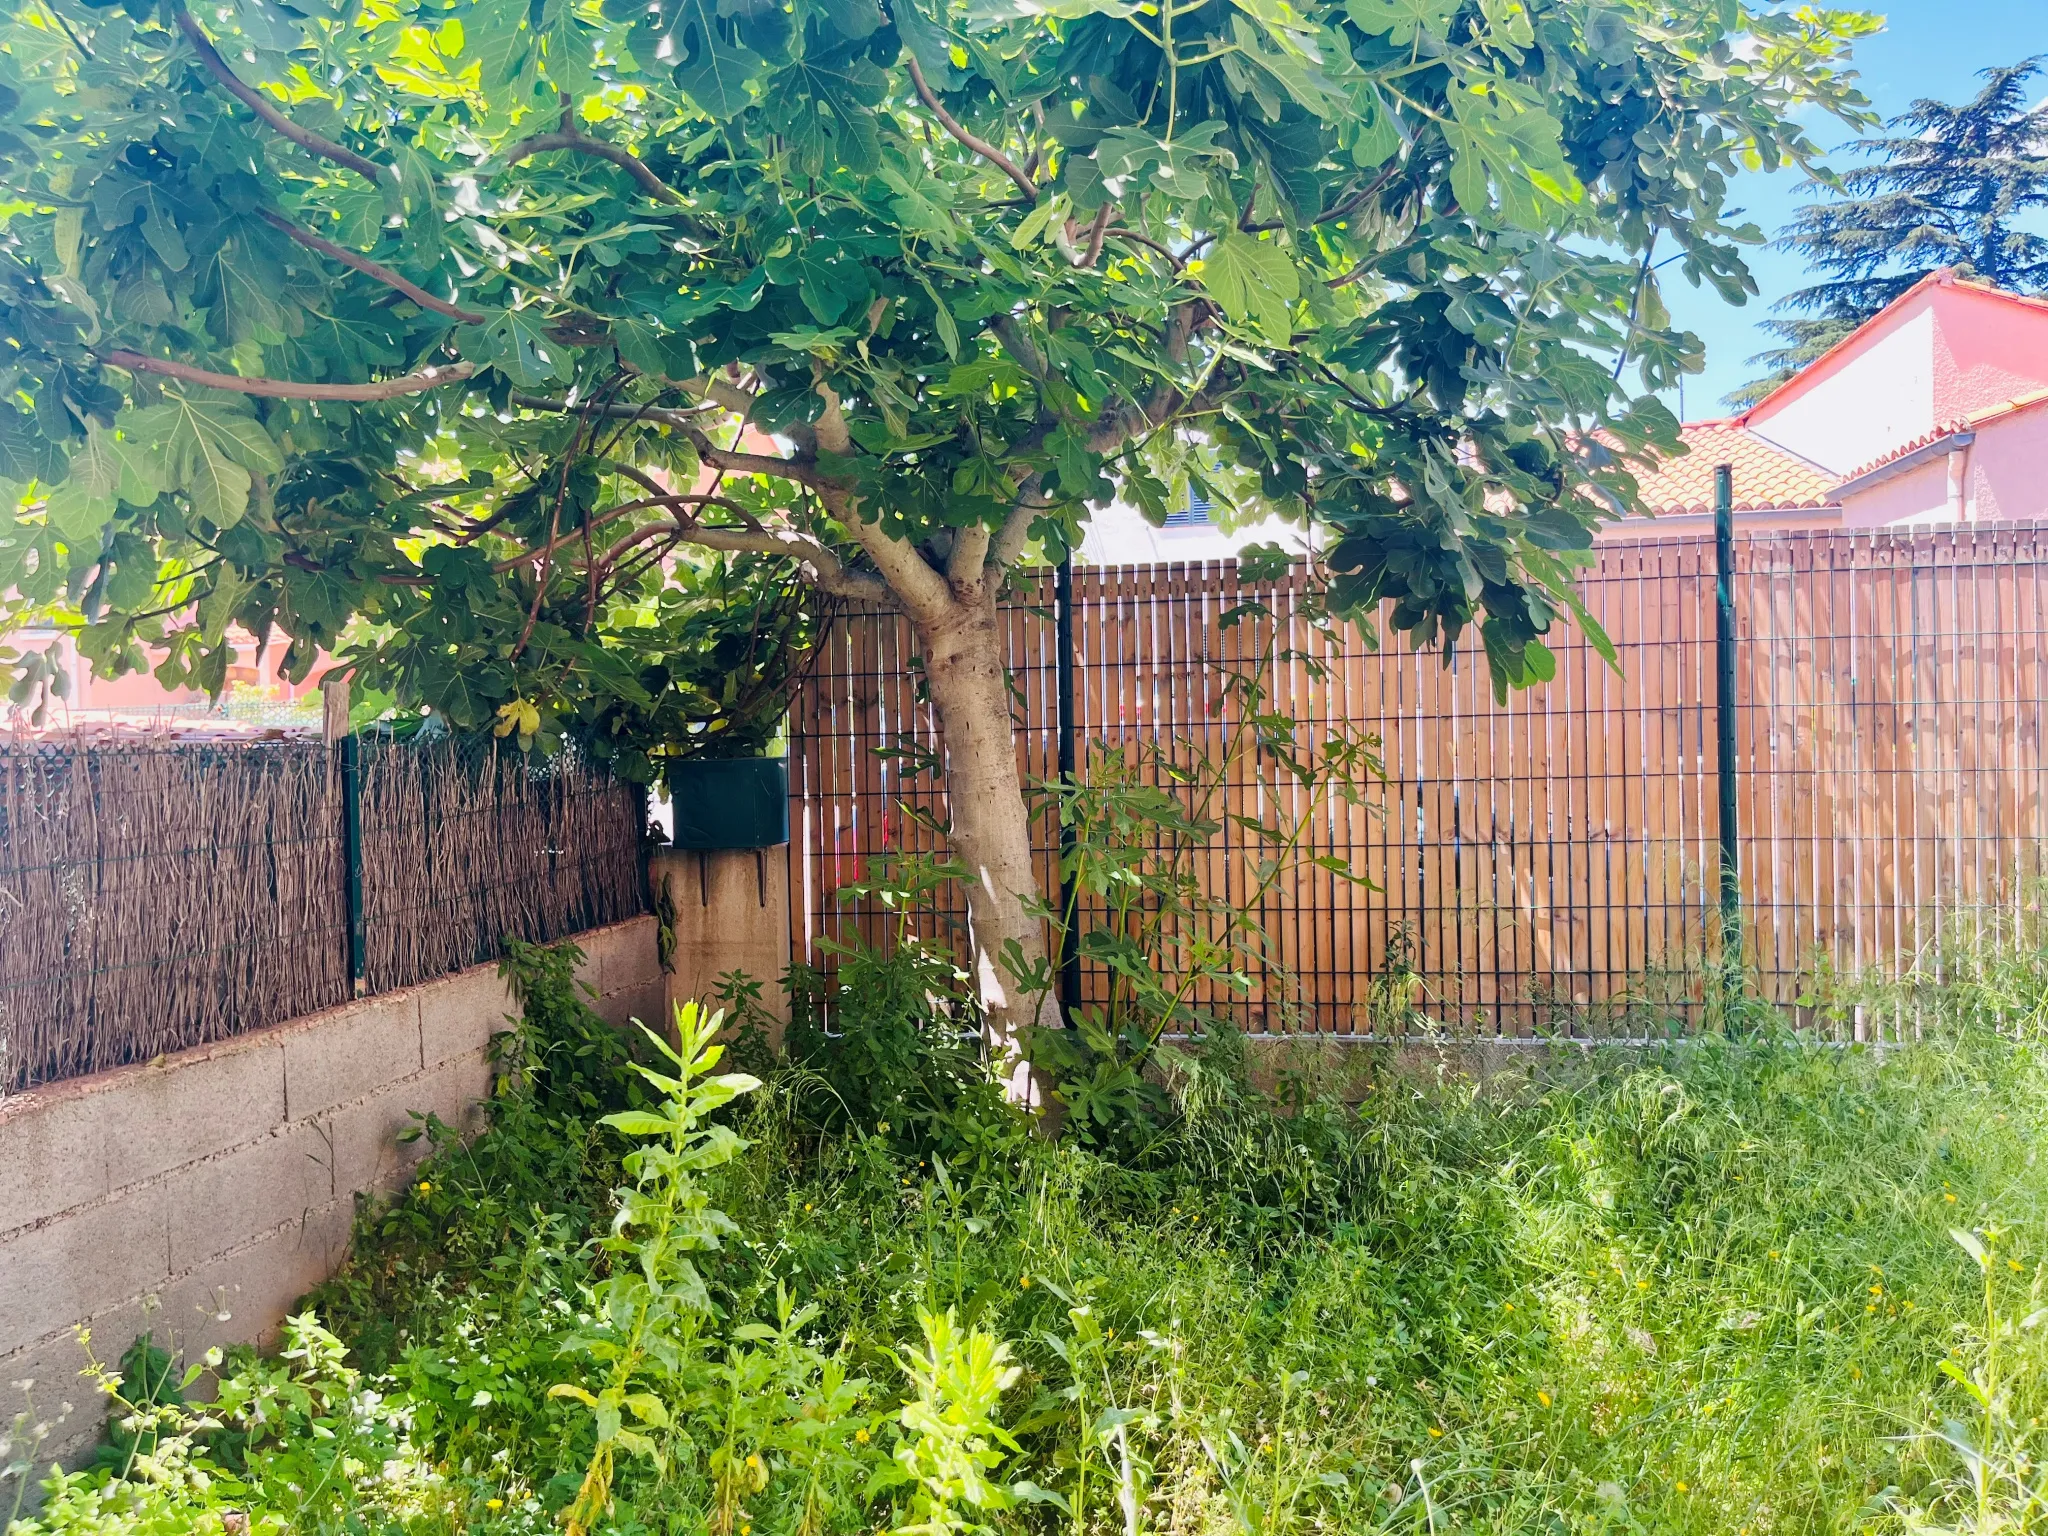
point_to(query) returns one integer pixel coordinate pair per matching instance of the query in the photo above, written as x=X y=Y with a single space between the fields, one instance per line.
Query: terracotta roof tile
x=1767 y=477
x=1951 y=428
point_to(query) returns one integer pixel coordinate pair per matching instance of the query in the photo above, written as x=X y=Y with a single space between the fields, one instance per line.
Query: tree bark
x=991 y=827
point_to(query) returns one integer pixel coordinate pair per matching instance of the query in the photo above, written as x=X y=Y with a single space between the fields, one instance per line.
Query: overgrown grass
x=1706 y=1288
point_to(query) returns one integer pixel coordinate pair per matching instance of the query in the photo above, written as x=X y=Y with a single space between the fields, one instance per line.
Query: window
x=1196 y=513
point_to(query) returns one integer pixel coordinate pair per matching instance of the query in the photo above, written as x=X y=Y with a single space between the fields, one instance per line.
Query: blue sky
x=1928 y=48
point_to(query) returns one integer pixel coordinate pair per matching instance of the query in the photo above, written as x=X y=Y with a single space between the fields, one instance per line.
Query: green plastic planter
x=734 y=802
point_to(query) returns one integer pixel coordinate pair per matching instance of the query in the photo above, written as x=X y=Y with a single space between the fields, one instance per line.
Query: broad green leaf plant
x=649 y=1315
x=442 y=335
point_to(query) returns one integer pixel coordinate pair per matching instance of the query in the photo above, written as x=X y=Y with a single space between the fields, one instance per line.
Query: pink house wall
x=1871 y=394
x=2008 y=474
x=1988 y=350
x=1946 y=351
x=1919 y=494
x=2003 y=473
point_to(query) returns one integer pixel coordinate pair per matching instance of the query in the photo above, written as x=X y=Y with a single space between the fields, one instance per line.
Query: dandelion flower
x=1543 y=1398
x=1680 y=1486
x=425 y=1188
x=494 y=1503
x=1435 y=1433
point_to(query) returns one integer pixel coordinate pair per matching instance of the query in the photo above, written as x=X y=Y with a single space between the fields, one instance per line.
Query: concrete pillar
x=728 y=911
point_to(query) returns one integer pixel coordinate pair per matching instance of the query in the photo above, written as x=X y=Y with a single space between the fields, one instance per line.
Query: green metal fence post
x=352 y=857
x=1724 y=726
x=1063 y=680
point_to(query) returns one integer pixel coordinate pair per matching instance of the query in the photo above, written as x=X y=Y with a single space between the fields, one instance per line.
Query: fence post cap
x=333 y=709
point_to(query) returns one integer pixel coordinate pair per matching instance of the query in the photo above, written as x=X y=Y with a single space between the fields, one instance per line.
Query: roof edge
x=1940 y=277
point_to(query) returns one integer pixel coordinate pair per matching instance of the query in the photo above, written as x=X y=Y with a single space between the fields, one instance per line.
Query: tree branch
x=970 y=555
x=1007 y=548
x=583 y=144
x=1097 y=233
x=1116 y=427
x=369 y=268
x=285 y=389
x=827 y=570
x=680 y=421
x=1120 y=233
x=611 y=514
x=1020 y=346
x=973 y=141
x=254 y=100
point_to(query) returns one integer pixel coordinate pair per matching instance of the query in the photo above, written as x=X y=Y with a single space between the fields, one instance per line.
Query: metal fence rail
x=154 y=897
x=1551 y=863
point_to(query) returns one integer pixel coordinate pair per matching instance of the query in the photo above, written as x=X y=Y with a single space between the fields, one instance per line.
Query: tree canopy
x=1954 y=186
x=426 y=331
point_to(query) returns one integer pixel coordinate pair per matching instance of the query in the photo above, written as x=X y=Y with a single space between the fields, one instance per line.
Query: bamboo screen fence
x=1550 y=864
x=154 y=897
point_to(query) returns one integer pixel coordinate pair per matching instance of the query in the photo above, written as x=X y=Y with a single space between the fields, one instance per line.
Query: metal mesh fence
x=1550 y=864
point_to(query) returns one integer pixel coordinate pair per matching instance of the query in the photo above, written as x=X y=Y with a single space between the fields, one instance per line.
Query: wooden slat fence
x=1549 y=864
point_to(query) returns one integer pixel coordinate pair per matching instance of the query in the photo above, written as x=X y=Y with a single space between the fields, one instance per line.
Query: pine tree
x=1952 y=187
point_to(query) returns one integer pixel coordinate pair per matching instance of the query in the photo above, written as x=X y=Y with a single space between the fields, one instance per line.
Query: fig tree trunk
x=991 y=829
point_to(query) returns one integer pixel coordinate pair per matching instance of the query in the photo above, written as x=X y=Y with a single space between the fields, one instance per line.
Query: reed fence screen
x=159 y=896
x=1550 y=864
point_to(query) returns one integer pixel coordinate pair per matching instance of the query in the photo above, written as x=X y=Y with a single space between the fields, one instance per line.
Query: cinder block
x=225 y=1202
x=620 y=956
x=344 y=1053
x=367 y=1154
x=242 y=1296
x=193 y=1105
x=327 y=1234
x=645 y=1001
x=82 y=1263
x=53 y=1156
x=460 y=1013
x=53 y=1366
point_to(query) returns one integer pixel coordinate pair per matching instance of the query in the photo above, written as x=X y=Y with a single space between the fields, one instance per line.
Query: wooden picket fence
x=1549 y=864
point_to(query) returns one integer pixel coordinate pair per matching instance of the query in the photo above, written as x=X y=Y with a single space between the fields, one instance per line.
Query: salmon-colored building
x=1934 y=411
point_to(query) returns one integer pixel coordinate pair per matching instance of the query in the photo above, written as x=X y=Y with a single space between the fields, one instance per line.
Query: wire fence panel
x=1548 y=864
x=155 y=897
x=1890 y=702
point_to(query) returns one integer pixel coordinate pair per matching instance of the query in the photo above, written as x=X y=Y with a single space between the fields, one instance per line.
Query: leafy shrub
x=1700 y=1289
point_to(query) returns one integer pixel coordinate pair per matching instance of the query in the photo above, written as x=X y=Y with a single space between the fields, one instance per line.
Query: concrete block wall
x=729 y=911
x=200 y=1196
